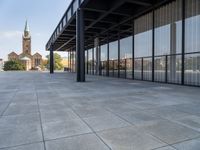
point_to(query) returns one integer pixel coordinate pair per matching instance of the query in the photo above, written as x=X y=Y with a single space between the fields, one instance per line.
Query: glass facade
x=166 y=48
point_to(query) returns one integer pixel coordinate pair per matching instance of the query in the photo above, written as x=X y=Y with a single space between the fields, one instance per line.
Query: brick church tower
x=26 y=38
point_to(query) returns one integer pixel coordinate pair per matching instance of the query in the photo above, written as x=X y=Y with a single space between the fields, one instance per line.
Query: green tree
x=13 y=65
x=57 y=62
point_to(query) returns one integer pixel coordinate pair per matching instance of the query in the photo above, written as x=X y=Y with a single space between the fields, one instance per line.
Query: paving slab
x=166 y=148
x=188 y=145
x=99 y=114
x=58 y=115
x=14 y=109
x=19 y=134
x=35 y=146
x=129 y=138
x=60 y=129
x=106 y=122
x=83 y=142
x=170 y=132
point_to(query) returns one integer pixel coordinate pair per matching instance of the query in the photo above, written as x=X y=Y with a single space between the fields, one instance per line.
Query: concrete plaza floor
x=40 y=111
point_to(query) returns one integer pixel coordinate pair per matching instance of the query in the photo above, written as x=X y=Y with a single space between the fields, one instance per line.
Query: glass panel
x=192 y=69
x=111 y=68
x=103 y=67
x=160 y=68
x=103 y=59
x=192 y=43
x=75 y=5
x=122 y=67
x=192 y=26
x=138 y=68
x=69 y=13
x=129 y=68
x=125 y=54
x=90 y=61
x=115 y=68
x=104 y=52
x=174 y=68
x=113 y=53
x=168 y=37
x=143 y=46
x=61 y=26
x=73 y=61
x=64 y=21
x=147 y=68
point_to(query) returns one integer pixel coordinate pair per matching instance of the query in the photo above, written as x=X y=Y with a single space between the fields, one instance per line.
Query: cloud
x=10 y=34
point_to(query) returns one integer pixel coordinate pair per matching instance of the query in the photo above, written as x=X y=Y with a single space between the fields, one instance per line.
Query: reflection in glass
x=90 y=61
x=192 y=43
x=104 y=59
x=143 y=47
x=125 y=57
x=113 y=56
x=168 y=37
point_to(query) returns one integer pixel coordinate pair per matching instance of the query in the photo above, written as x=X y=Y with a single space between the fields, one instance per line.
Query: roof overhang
x=105 y=19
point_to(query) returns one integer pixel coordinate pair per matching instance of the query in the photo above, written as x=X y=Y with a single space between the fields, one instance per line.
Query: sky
x=42 y=15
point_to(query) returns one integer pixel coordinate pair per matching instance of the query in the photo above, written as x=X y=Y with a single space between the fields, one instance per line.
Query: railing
x=71 y=10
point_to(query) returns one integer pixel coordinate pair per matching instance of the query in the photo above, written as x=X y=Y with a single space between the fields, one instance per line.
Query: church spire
x=26 y=29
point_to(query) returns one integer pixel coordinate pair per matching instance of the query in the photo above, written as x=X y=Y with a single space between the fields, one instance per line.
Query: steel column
x=183 y=43
x=142 y=68
x=133 y=50
x=51 y=60
x=166 y=68
x=87 y=62
x=153 y=44
x=92 y=61
x=118 y=65
x=80 y=53
x=108 y=57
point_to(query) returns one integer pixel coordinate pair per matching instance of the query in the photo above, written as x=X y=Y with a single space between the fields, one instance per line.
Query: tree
x=57 y=62
x=14 y=65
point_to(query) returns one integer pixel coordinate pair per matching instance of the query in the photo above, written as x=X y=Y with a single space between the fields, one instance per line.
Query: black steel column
x=70 y=56
x=133 y=50
x=51 y=60
x=92 y=61
x=142 y=68
x=153 y=44
x=108 y=58
x=166 y=68
x=80 y=53
x=118 y=65
x=125 y=69
x=87 y=62
x=183 y=42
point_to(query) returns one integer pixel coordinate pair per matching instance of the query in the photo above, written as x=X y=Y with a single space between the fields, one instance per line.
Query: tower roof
x=26 y=27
